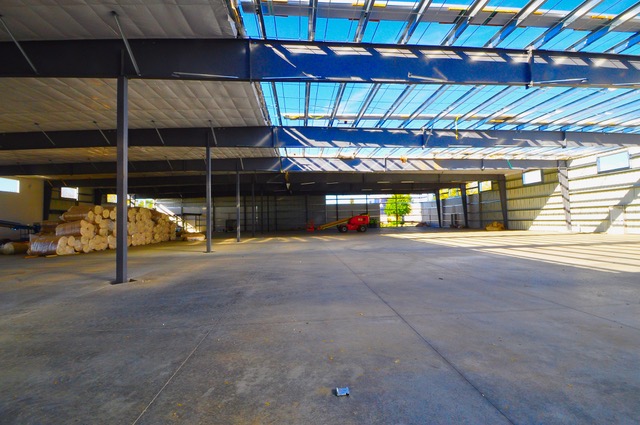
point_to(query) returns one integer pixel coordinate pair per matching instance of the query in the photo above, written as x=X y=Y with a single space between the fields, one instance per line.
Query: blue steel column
x=439 y=208
x=253 y=207
x=122 y=112
x=237 y=206
x=465 y=208
x=208 y=155
x=502 y=185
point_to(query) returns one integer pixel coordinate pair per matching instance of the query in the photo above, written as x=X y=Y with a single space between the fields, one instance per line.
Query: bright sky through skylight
x=385 y=105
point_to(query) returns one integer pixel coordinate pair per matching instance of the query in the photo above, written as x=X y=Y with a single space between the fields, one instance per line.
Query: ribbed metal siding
x=537 y=206
x=605 y=202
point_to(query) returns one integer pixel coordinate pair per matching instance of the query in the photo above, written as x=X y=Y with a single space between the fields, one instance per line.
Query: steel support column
x=253 y=207
x=439 y=208
x=563 y=179
x=237 y=206
x=208 y=227
x=122 y=112
x=502 y=186
x=465 y=208
x=46 y=201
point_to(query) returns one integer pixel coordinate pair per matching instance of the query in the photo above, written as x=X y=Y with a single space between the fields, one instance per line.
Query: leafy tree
x=398 y=205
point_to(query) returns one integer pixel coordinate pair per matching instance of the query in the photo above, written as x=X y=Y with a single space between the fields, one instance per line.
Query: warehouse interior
x=252 y=122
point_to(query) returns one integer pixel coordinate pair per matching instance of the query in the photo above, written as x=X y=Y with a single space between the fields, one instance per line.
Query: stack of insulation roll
x=87 y=228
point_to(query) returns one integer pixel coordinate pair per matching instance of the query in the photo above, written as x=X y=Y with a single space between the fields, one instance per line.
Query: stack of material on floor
x=193 y=237
x=50 y=245
x=11 y=248
x=87 y=228
x=496 y=225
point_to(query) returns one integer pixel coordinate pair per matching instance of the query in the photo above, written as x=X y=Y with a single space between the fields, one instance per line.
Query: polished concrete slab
x=423 y=326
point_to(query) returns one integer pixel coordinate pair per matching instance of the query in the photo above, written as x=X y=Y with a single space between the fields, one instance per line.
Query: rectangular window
x=616 y=161
x=485 y=186
x=532 y=177
x=69 y=193
x=9 y=185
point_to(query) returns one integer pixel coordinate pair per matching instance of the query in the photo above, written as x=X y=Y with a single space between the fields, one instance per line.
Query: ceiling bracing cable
x=153 y=123
x=45 y=133
x=126 y=42
x=104 y=136
x=24 y=54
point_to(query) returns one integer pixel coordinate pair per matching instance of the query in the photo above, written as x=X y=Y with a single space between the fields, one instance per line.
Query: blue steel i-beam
x=122 y=171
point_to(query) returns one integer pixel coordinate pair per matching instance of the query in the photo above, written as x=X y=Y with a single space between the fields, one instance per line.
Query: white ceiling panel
x=74 y=104
x=92 y=19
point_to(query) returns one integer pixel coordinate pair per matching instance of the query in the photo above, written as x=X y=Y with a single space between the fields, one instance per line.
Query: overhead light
x=407 y=181
x=307 y=183
x=384 y=182
x=367 y=190
x=385 y=189
x=333 y=182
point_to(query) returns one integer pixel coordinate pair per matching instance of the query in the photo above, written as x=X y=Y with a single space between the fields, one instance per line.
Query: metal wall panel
x=605 y=202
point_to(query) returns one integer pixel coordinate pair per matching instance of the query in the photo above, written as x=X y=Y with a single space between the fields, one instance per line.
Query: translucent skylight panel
x=383 y=32
x=287 y=27
x=516 y=4
x=607 y=41
x=563 y=40
x=291 y=98
x=318 y=123
x=613 y=7
x=322 y=99
x=476 y=35
x=353 y=98
x=417 y=124
x=334 y=29
x=392 y=123
x=429 y=33
x=419 y=94
x=545 y=94
x=384 y=99
x=633 y=50
x=251 y=23
x=567 y=5
x=521 y=38
x=367 y=123
x=443 y=102
x=445 y=123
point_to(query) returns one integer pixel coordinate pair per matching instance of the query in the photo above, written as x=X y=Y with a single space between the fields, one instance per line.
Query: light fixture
x=407 y=181
x=307 y=183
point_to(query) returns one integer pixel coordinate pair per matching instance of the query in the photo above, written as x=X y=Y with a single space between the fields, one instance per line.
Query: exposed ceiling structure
x=316 y=94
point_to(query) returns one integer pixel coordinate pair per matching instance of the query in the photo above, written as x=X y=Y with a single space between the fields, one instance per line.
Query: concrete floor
x=424 y=327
